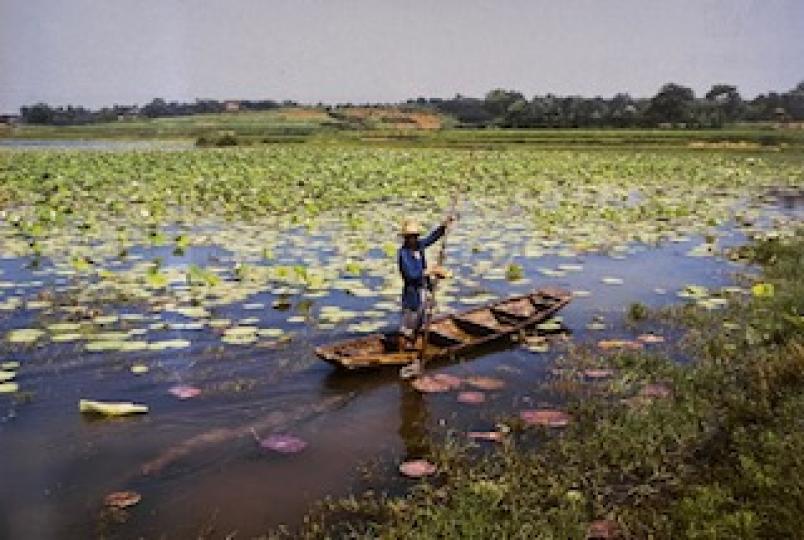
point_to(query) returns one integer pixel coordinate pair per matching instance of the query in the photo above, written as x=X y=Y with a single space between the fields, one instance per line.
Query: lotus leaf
x=105 y=319
x=762 y=290
x=239 y=339
x=270 y=332
x=110 y=408
x=492 y=436
x=64 y=327
x=58 y=338
x=284 y=444
x=429 y=384
x=471 y=397
x=417 y=468
x=184 y=391
x=551 y=325
x=193 y=312
x=122 y=499
x=8 y=387
x=693 y=292
x=485 y=383
x=24 y=335
x=169 y=344
x=545 y=417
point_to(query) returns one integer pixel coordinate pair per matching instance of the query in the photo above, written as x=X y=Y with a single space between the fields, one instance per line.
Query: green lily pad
x=270 y=332
x=64 y=327
x=105 y=319
x=169 y=344
x=108 y=336
x=87 y=406
x=694 y=292
x=193 y=312
x=103 y=345
x=542 y=347
x=552 y=325
x=365 y=327
x=9 y=387
x=763 y=290
x=241 y=331
x=139 y=369
x=24 y=335
x=130 y=346
x=703 y=250
x=239 y=339
x=59 y=338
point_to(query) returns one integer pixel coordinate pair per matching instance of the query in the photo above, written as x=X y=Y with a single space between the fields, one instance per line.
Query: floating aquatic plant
x=417 y=468
x=104 y=408
x=9 y=387
x=122 y=499
x=184 y=391
x=545 y=417
x=282 y=443
x=514 y=272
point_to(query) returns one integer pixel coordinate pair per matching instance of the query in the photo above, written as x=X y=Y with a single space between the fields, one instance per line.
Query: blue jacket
x=413 y=268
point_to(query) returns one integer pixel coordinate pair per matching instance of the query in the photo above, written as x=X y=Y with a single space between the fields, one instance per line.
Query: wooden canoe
x=450 y=335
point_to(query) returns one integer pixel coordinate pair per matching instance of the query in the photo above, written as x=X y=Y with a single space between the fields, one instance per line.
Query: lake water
x=203 y=468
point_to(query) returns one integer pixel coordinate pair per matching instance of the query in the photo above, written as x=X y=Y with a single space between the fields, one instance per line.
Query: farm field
x=197 y=282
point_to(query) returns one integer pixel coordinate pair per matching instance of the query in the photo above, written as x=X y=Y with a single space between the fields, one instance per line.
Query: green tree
x=40 y=113
x=727 y=100
x=672 y=104
x=794 y=102
x=497 y=101
x=518 y=114
x=156 y=108
x=623 y=111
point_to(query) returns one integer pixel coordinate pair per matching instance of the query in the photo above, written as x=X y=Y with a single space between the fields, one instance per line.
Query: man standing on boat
x=417 y=277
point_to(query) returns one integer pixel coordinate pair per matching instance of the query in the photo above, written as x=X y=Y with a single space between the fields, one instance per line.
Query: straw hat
x=410 y=226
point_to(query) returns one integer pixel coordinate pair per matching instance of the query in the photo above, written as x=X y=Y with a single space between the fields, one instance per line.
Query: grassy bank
x=714 y=450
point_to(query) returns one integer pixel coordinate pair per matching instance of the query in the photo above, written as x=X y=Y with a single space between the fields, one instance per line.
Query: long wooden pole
x=431 y=307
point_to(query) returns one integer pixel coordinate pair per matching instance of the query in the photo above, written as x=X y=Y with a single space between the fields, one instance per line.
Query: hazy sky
x=100 y=52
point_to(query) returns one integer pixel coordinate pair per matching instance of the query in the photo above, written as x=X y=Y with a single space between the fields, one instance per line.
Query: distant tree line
x=673 y=105
x=41 y=113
